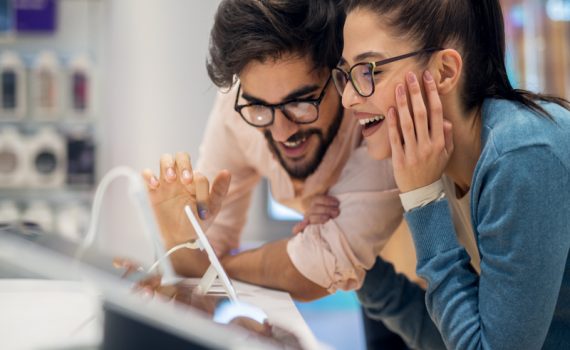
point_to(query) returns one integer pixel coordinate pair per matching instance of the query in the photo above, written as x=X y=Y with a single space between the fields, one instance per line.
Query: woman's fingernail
x=153 y=181
x=170 y=173
x=186 y=175
x=411 y=77
x=401 y=91
x=428 y=76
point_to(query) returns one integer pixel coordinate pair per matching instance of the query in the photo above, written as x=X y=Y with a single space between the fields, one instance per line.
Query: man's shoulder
x=362 y=173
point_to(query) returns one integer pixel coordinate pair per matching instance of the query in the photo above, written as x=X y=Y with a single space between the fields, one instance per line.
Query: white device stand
x=215 y=270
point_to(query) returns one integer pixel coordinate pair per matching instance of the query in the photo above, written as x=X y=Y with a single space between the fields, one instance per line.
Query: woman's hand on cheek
x=421 y=157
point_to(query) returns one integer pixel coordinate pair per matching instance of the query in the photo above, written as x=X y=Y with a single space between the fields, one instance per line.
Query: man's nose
x=282 y=128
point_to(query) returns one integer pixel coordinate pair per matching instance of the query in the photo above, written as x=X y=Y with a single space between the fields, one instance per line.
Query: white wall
x=156 y=93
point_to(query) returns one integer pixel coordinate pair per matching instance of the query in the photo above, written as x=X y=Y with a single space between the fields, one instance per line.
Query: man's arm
x=270 y=266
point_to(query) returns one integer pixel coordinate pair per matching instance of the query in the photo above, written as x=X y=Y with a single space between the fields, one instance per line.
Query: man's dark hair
x=261 y=30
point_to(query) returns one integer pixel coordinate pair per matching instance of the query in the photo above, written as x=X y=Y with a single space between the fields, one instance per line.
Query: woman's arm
x=520 y=208
x=400 y=304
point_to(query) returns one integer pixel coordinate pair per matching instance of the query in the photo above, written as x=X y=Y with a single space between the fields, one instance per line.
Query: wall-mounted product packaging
x=9 y=212
x=46 y=86
x=47 y=159
x=72 y=222
x=81 y=82
x=81 y=158
x=12 y=86
x=13 y=158
x=40 y=213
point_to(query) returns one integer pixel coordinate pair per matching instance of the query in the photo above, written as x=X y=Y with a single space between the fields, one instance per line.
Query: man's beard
x=302 y=171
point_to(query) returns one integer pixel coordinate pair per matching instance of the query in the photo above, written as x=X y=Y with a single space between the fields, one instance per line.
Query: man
x=281 y=119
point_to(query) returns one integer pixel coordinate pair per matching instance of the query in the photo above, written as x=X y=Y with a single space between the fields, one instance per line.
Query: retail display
x=13 y=164
x=47 y=157
x=12 y=86
x=46 y=87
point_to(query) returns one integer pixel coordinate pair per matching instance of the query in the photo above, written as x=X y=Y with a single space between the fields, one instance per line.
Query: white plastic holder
x=215 y=270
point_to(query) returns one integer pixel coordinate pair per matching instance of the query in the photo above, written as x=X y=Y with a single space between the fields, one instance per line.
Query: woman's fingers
x=167 y=173
x=395 y=140
x=406 y=121
x=435 y=110
x=419 y=110
x=219 y=190
x=150 y=179
x=448 y=135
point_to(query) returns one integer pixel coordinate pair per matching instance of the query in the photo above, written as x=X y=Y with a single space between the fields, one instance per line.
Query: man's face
x=299 y=148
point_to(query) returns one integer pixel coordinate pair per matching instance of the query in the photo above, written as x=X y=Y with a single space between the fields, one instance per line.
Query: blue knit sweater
x=520 y=212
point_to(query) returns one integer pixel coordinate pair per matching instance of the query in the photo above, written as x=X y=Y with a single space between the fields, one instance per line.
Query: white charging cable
x=188 y=245
x=138 y=194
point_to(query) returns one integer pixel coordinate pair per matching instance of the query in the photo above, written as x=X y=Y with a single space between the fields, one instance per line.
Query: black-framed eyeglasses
x=300 y=111
x=361 y=75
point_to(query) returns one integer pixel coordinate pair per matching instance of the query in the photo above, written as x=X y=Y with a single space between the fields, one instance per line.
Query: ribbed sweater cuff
x=432 y=229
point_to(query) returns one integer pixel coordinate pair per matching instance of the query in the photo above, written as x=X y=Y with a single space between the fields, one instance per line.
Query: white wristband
x=422 y=196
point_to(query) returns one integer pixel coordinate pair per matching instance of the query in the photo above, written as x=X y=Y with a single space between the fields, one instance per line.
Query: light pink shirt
x=334 y=255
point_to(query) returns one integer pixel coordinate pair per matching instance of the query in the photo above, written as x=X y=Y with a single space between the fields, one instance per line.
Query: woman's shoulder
x=509 y=126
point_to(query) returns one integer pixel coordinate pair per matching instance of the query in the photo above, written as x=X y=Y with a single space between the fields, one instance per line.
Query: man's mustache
x=298 y=136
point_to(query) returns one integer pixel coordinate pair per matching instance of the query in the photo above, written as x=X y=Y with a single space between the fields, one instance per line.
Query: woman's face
x=367 y=40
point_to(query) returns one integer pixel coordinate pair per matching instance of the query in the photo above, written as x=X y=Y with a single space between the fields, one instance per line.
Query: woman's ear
x=448 y=68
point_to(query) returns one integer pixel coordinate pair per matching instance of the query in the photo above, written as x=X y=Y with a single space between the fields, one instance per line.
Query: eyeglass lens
x=301 y=112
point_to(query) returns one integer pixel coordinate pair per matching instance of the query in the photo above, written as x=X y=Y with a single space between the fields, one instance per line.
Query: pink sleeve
x=222 y=148
x=336 y=255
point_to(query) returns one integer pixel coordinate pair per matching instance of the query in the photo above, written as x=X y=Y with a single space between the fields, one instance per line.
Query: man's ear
x=448 y=68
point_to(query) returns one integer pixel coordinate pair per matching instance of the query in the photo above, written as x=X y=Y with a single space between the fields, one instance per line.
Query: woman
x=427 y=80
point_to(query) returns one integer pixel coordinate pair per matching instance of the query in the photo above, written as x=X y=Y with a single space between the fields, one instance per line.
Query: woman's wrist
x=422 y=196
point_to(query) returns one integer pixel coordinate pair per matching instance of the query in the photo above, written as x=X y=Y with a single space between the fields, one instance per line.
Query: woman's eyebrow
x=368 y=55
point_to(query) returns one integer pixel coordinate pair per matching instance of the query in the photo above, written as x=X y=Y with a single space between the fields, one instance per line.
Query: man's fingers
x=219 y=190
x=326 y=200
x=300 y=226
x=167 y=173
x=202 y=195
x=184 y=168
x=150 y=179
x=324 y=210
x=318 y=219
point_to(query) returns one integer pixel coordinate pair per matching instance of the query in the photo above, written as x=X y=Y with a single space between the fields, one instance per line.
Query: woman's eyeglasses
x=361 y=75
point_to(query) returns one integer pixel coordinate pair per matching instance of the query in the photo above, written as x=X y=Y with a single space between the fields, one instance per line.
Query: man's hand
x=322 y=208
x=179 y=186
